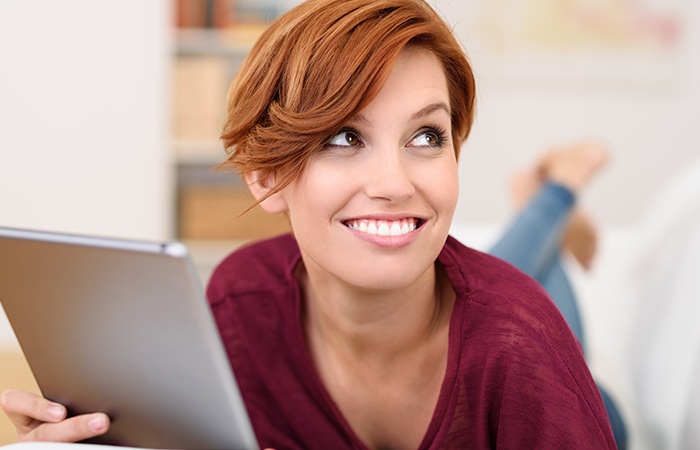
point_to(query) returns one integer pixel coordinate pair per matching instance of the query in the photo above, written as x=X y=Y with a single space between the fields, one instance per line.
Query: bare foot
x=574 y=165
x=523 y=185
x=581 y=239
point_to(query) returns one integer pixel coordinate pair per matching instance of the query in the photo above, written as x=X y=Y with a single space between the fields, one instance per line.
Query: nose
x=388 y=177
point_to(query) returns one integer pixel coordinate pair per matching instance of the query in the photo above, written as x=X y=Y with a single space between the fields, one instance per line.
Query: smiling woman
x=368 y=326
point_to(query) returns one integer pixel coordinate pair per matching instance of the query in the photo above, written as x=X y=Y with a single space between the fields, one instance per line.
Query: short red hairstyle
x=320 y=64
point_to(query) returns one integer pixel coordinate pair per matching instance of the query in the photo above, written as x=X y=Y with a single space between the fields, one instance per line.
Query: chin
x=386 y=279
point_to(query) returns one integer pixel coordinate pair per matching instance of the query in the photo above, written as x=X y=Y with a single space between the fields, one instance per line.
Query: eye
x=429 y=137
x=345 y=138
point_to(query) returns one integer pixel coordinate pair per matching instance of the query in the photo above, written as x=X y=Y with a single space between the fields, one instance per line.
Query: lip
x=390 y=241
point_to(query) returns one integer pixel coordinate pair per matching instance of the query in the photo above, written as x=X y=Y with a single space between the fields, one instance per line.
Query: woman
x=370 y=327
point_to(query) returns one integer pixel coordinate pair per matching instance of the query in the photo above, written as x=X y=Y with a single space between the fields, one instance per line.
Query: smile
x=384 y=227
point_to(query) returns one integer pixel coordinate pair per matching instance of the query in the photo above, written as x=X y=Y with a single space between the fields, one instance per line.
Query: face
x=373 y=208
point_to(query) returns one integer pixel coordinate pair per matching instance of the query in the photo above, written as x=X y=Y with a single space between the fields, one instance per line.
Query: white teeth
x=372 y=228
x=395 y=229
x=383 y=227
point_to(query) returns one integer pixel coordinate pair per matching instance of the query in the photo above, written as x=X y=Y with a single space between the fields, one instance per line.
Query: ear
x=260 y=186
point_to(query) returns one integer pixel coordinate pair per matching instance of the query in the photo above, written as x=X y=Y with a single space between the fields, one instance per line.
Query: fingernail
x=98 y=423
x=56 y=411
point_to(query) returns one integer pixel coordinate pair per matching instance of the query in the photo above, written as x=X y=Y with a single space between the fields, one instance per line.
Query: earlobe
x=260 y=187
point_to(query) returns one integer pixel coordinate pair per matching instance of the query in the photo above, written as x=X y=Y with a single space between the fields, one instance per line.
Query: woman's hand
x=38 y=419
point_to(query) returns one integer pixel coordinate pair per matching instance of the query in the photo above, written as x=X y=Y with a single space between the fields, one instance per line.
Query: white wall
x=84 y=118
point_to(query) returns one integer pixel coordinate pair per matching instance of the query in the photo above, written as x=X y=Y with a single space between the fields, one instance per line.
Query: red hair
x=320 y=64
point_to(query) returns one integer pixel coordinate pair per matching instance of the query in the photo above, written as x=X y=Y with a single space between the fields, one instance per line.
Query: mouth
x=376 y=227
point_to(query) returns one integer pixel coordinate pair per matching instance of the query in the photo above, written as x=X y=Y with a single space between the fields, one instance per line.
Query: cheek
x=316 y=196
x=448 y=199
x=454 y=189
x=318 y=179
x=441 y=185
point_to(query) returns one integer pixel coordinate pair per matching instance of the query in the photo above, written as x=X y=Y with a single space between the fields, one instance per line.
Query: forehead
x=416 y=85
x=418 y=68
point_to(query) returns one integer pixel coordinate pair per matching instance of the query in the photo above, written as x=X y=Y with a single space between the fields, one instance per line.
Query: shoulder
x=255 y=267
x=508 y=306
x=485 y=278
x=505 y=324
x=253 y=293
x=507 y=320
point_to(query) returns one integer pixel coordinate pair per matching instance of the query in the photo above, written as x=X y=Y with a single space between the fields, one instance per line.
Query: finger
x=24 y=408
x=75 y=429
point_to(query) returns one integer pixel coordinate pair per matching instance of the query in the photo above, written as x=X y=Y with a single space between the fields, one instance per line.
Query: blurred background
x=110 y=110
x=110 y=113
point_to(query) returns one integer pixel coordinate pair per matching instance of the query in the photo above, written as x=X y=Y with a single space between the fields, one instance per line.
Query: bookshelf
x=212 y=38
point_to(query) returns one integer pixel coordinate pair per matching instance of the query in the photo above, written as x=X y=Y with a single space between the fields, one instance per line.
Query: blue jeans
x=532 y=243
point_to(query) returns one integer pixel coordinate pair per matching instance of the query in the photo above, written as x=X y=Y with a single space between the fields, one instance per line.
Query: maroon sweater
x=515 y=379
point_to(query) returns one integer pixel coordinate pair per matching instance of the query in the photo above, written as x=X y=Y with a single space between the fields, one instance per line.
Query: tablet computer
x=123 y=327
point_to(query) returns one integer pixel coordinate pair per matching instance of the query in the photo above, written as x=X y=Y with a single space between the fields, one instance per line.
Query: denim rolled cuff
x=558 y=193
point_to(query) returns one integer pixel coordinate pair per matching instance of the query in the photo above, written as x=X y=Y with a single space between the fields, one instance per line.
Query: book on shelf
x=204 y=13
x=219 y=212
x=200 y=84
x=227 y=13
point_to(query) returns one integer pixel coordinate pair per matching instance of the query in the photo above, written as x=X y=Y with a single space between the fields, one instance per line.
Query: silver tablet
x=123 y=327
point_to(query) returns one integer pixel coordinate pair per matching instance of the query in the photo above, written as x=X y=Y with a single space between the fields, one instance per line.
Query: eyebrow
x=428 y=110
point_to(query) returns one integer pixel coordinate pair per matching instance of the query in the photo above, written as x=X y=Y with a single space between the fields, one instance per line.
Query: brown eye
x=352 y=138
x=429 y=138
x=345 y=138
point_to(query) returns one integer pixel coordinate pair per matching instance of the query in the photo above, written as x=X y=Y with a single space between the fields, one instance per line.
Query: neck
x=380 y=325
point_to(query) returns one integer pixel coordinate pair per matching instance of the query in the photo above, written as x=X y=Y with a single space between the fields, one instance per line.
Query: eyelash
x=439 y=132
